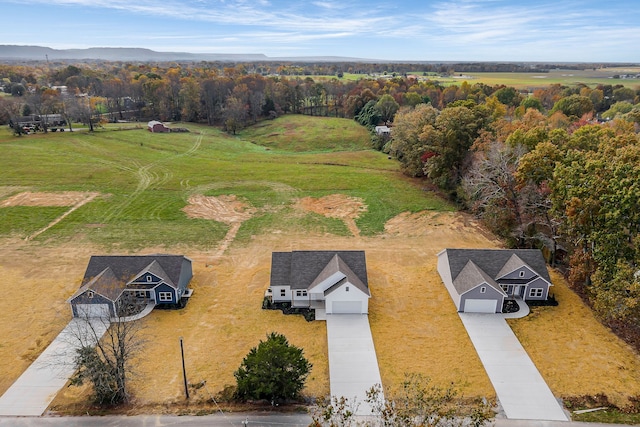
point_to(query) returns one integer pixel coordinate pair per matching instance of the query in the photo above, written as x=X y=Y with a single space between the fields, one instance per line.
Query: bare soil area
x=65 y=198
x=338 y=206
x=224 y=208
x=414 y=323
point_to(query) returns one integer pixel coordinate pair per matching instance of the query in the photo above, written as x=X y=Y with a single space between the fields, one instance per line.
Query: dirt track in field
x=65 y=198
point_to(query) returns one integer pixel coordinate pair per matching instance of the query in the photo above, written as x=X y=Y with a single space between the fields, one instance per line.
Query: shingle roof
x=108 y=275
x=156 y=269
x=299 y=269
x=336 y=264
x=471 y=276
x=514 y=263
x=492 y=261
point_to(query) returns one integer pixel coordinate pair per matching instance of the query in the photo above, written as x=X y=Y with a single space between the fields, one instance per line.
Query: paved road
x=353 y=365
x=237 y=420
x=34 y=390
x=254 y=420
x=523 y=393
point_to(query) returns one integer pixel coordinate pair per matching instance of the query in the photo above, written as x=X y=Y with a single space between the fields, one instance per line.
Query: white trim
x=539 y=292
x=162 y=296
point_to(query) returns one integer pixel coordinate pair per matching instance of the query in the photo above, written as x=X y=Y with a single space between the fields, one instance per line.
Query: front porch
x=514 y=291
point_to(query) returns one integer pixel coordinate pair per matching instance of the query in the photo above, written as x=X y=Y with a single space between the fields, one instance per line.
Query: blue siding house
x=124 y=285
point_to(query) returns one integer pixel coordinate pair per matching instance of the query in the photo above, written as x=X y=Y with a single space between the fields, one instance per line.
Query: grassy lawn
x=144 y=181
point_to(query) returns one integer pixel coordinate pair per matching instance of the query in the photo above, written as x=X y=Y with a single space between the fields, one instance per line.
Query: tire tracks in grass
x=147 y=178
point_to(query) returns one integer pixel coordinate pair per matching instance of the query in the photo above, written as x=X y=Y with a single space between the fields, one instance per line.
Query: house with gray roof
x=329 y=282
x=479 y=280
x=113 y=283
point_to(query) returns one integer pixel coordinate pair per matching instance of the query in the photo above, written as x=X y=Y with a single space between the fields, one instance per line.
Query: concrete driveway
x=519 y=386
x=353 y=366
x=34 y=390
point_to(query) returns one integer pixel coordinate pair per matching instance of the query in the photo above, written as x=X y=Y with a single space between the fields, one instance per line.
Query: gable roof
x=337 y=265
x=493 y=261
x=156 y=269
x=104 y=283
x=300 y=269
x=514 y=263
x=471 y=276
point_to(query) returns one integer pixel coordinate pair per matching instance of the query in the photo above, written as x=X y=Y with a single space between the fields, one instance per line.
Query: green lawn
x=146 y=179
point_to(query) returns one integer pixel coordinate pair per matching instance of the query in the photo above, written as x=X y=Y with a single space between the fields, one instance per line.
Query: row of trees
x=234 y=97
x=552 y=178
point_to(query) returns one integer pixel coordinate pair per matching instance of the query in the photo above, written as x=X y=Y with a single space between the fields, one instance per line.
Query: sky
x=394 y=30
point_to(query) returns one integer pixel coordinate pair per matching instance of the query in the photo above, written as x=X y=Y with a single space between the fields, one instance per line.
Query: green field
x=590 y=77
x=145 y=179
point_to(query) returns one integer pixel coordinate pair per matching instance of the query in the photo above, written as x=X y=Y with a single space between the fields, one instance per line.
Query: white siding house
x=329 y=282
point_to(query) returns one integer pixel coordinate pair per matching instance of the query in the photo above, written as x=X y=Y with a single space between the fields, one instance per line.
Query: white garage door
x=480 y=306
x=346 y=307
x=92 y=310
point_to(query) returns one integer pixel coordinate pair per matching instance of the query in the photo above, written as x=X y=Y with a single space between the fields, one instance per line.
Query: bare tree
x=104 y=359
x=418 y=402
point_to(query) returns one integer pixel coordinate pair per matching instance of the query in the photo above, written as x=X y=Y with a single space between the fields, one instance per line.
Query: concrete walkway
x=522 y=391
x=353 y=366
x=32 y=393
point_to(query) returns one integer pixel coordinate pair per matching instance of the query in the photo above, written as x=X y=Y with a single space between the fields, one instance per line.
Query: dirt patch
x=338 y=206
x=65 y=198
x=426 y=223
x=225 y=208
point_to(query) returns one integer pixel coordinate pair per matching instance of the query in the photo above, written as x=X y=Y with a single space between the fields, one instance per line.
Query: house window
x=346 y=289
x=141 y=294
x=483 y=289
x=148 y=278
x=283 y=293
x=302 y=293
x=522 y=273
x=165 y=296
x=536 y=292
x=90 y=294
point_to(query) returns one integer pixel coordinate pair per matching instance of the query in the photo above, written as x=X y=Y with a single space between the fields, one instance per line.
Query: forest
x=555 y=167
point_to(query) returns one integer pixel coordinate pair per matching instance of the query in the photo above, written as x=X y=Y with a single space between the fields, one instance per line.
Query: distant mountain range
x=40 y=53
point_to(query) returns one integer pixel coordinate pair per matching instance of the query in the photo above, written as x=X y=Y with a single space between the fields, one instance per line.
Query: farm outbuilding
x=156 y=126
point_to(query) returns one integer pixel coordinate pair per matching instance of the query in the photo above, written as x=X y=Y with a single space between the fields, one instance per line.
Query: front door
x=521 y=291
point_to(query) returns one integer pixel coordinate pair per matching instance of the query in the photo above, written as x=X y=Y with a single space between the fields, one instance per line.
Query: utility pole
x=184 y=371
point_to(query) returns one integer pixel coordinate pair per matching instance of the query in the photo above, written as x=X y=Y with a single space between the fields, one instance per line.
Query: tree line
x=558 y=170
x=234 y=96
